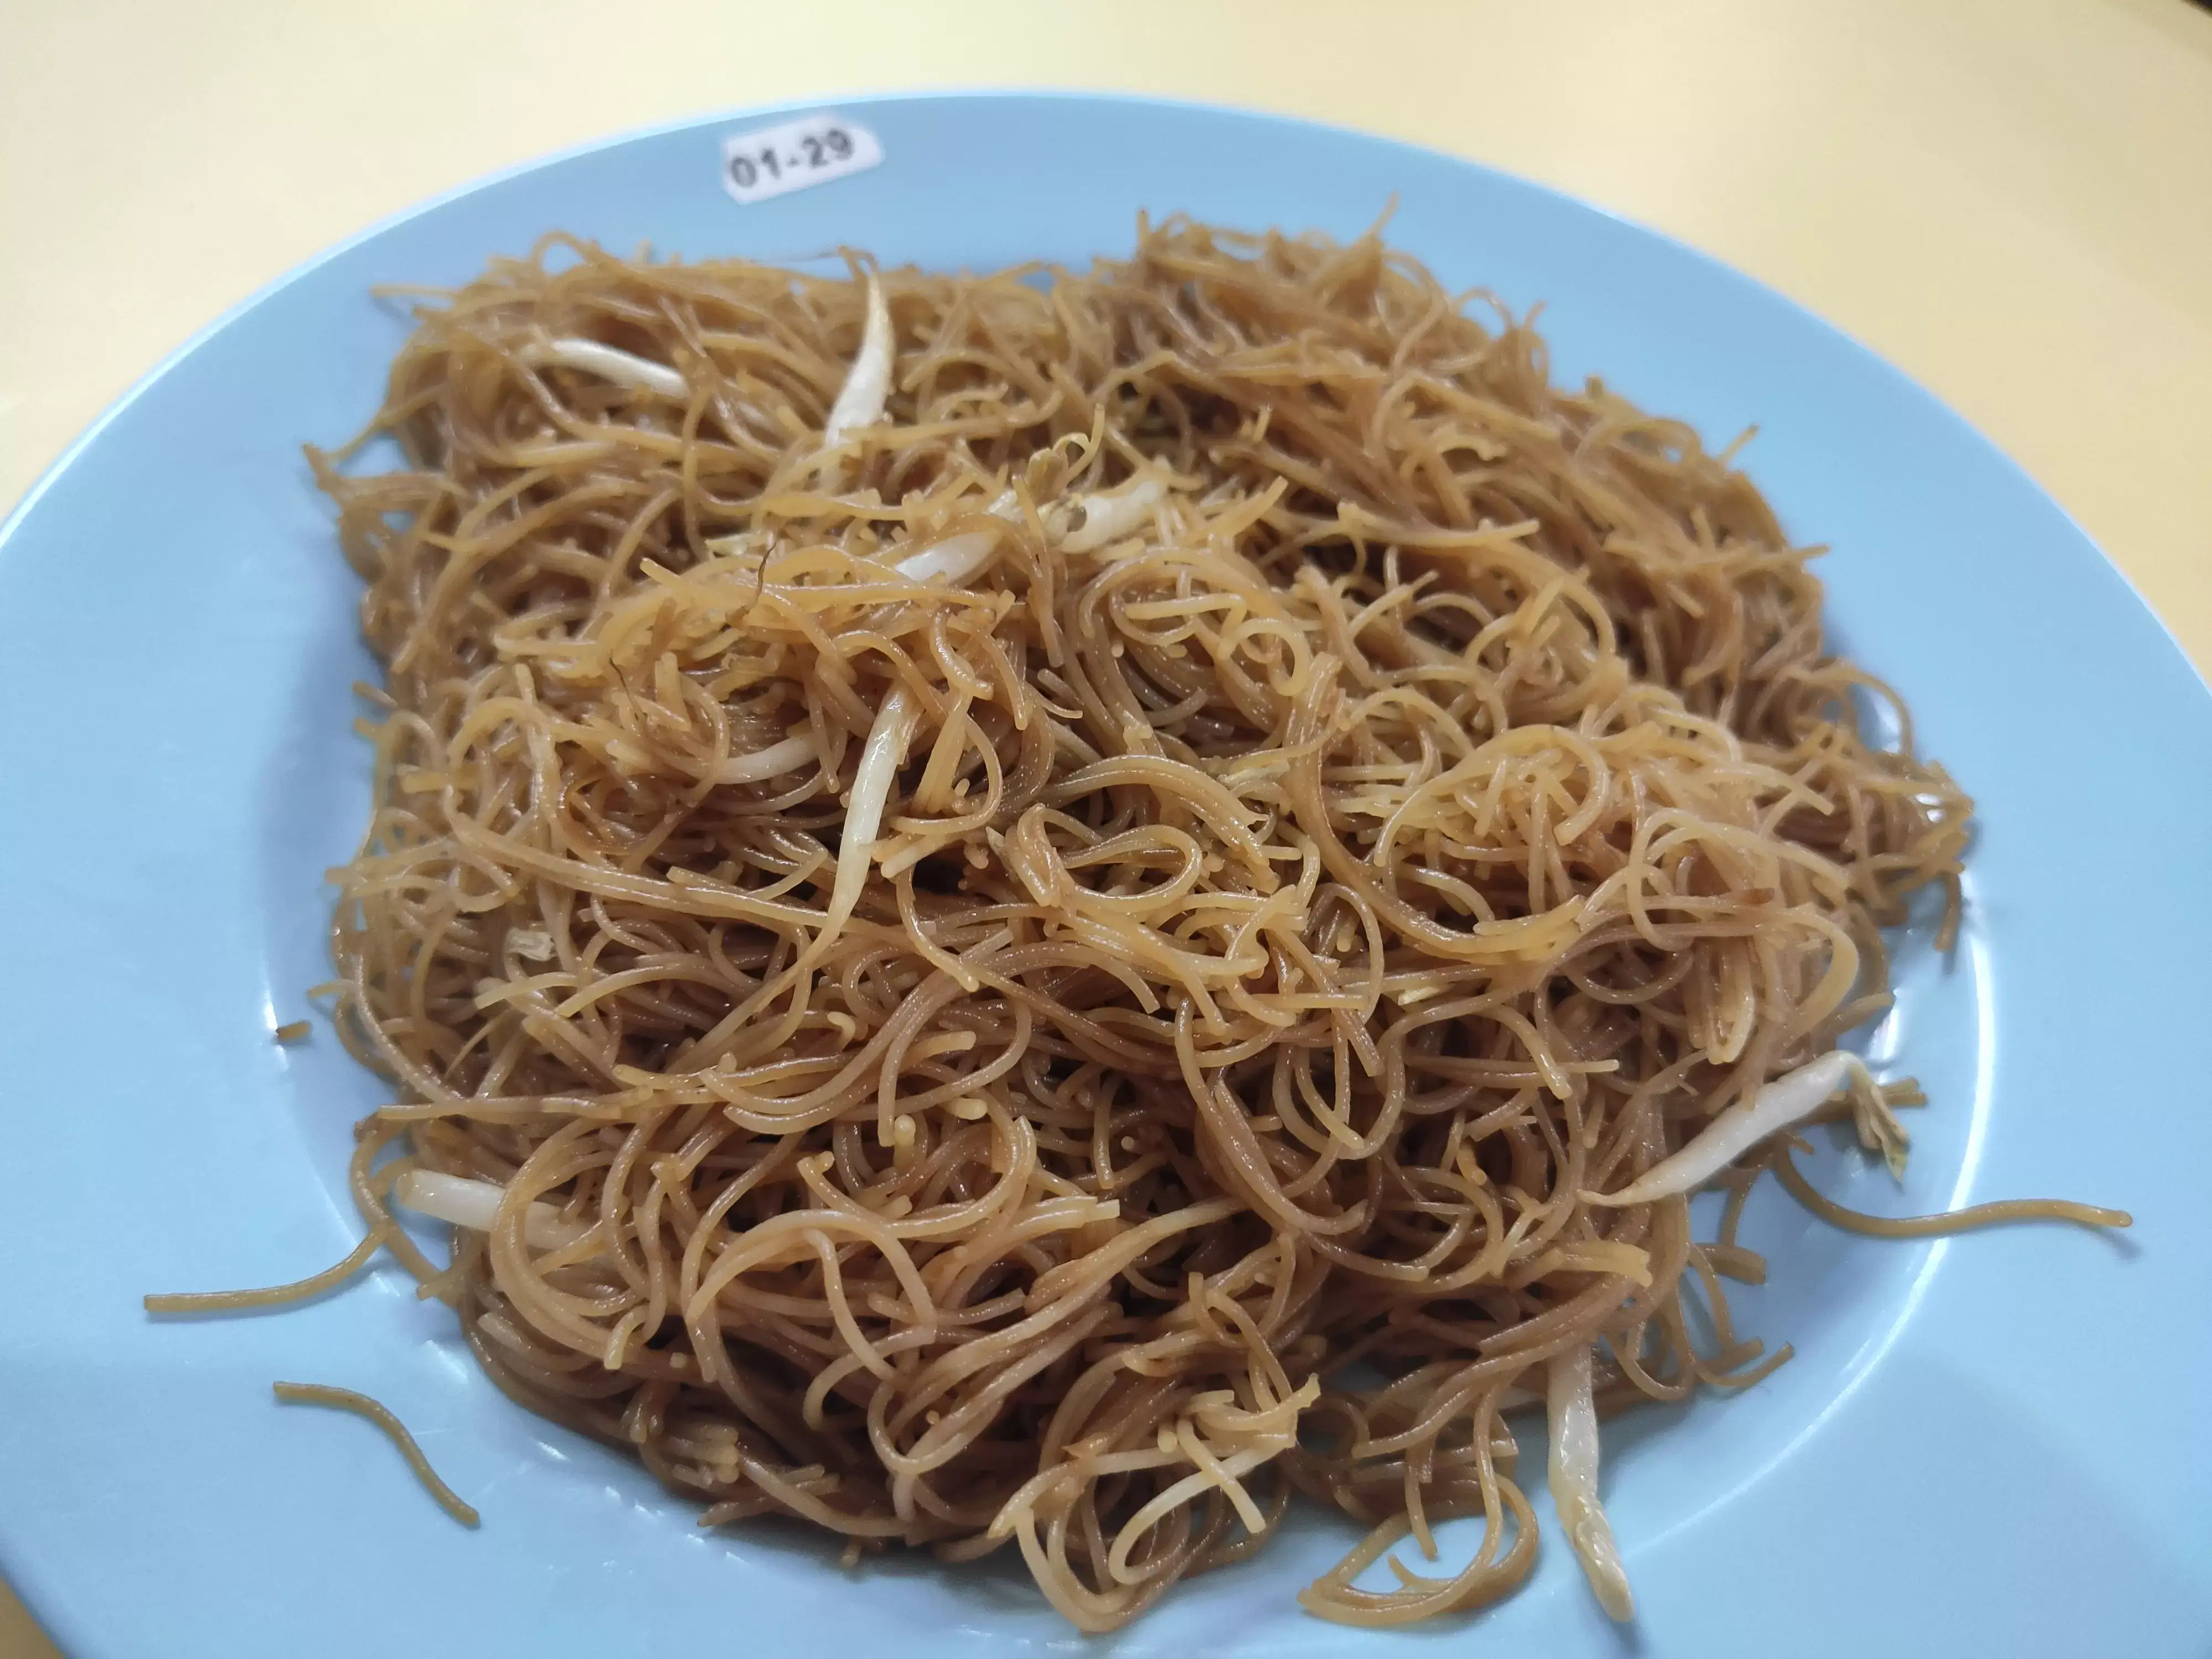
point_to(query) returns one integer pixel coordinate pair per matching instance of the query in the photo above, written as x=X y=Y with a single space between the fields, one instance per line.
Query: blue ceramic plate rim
x=143 y=1504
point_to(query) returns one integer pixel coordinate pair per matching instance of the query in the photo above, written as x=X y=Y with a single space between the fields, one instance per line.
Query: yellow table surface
x=2011 y=199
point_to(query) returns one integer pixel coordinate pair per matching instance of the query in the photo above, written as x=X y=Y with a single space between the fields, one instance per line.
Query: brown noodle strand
x=2001 y=1213
x=1054 y=969
x=274 y=1296
x=321 y=1393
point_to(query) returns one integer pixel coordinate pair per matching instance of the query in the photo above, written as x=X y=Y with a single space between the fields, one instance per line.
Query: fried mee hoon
x=1038 y=910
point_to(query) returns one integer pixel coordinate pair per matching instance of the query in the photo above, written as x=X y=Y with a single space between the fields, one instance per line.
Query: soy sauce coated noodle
x=322 y=1394
x=970 y=982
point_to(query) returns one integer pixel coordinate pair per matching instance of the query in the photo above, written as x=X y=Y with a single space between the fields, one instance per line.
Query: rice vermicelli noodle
x=1040 y=910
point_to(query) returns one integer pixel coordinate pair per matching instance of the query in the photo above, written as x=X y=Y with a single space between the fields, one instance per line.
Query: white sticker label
x=811 y=150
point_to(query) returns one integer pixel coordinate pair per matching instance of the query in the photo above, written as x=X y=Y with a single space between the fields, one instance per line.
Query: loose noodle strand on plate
x=1067 y=957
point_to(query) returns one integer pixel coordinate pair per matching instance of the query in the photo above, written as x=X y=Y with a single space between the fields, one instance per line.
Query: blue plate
x=1993 y=1444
